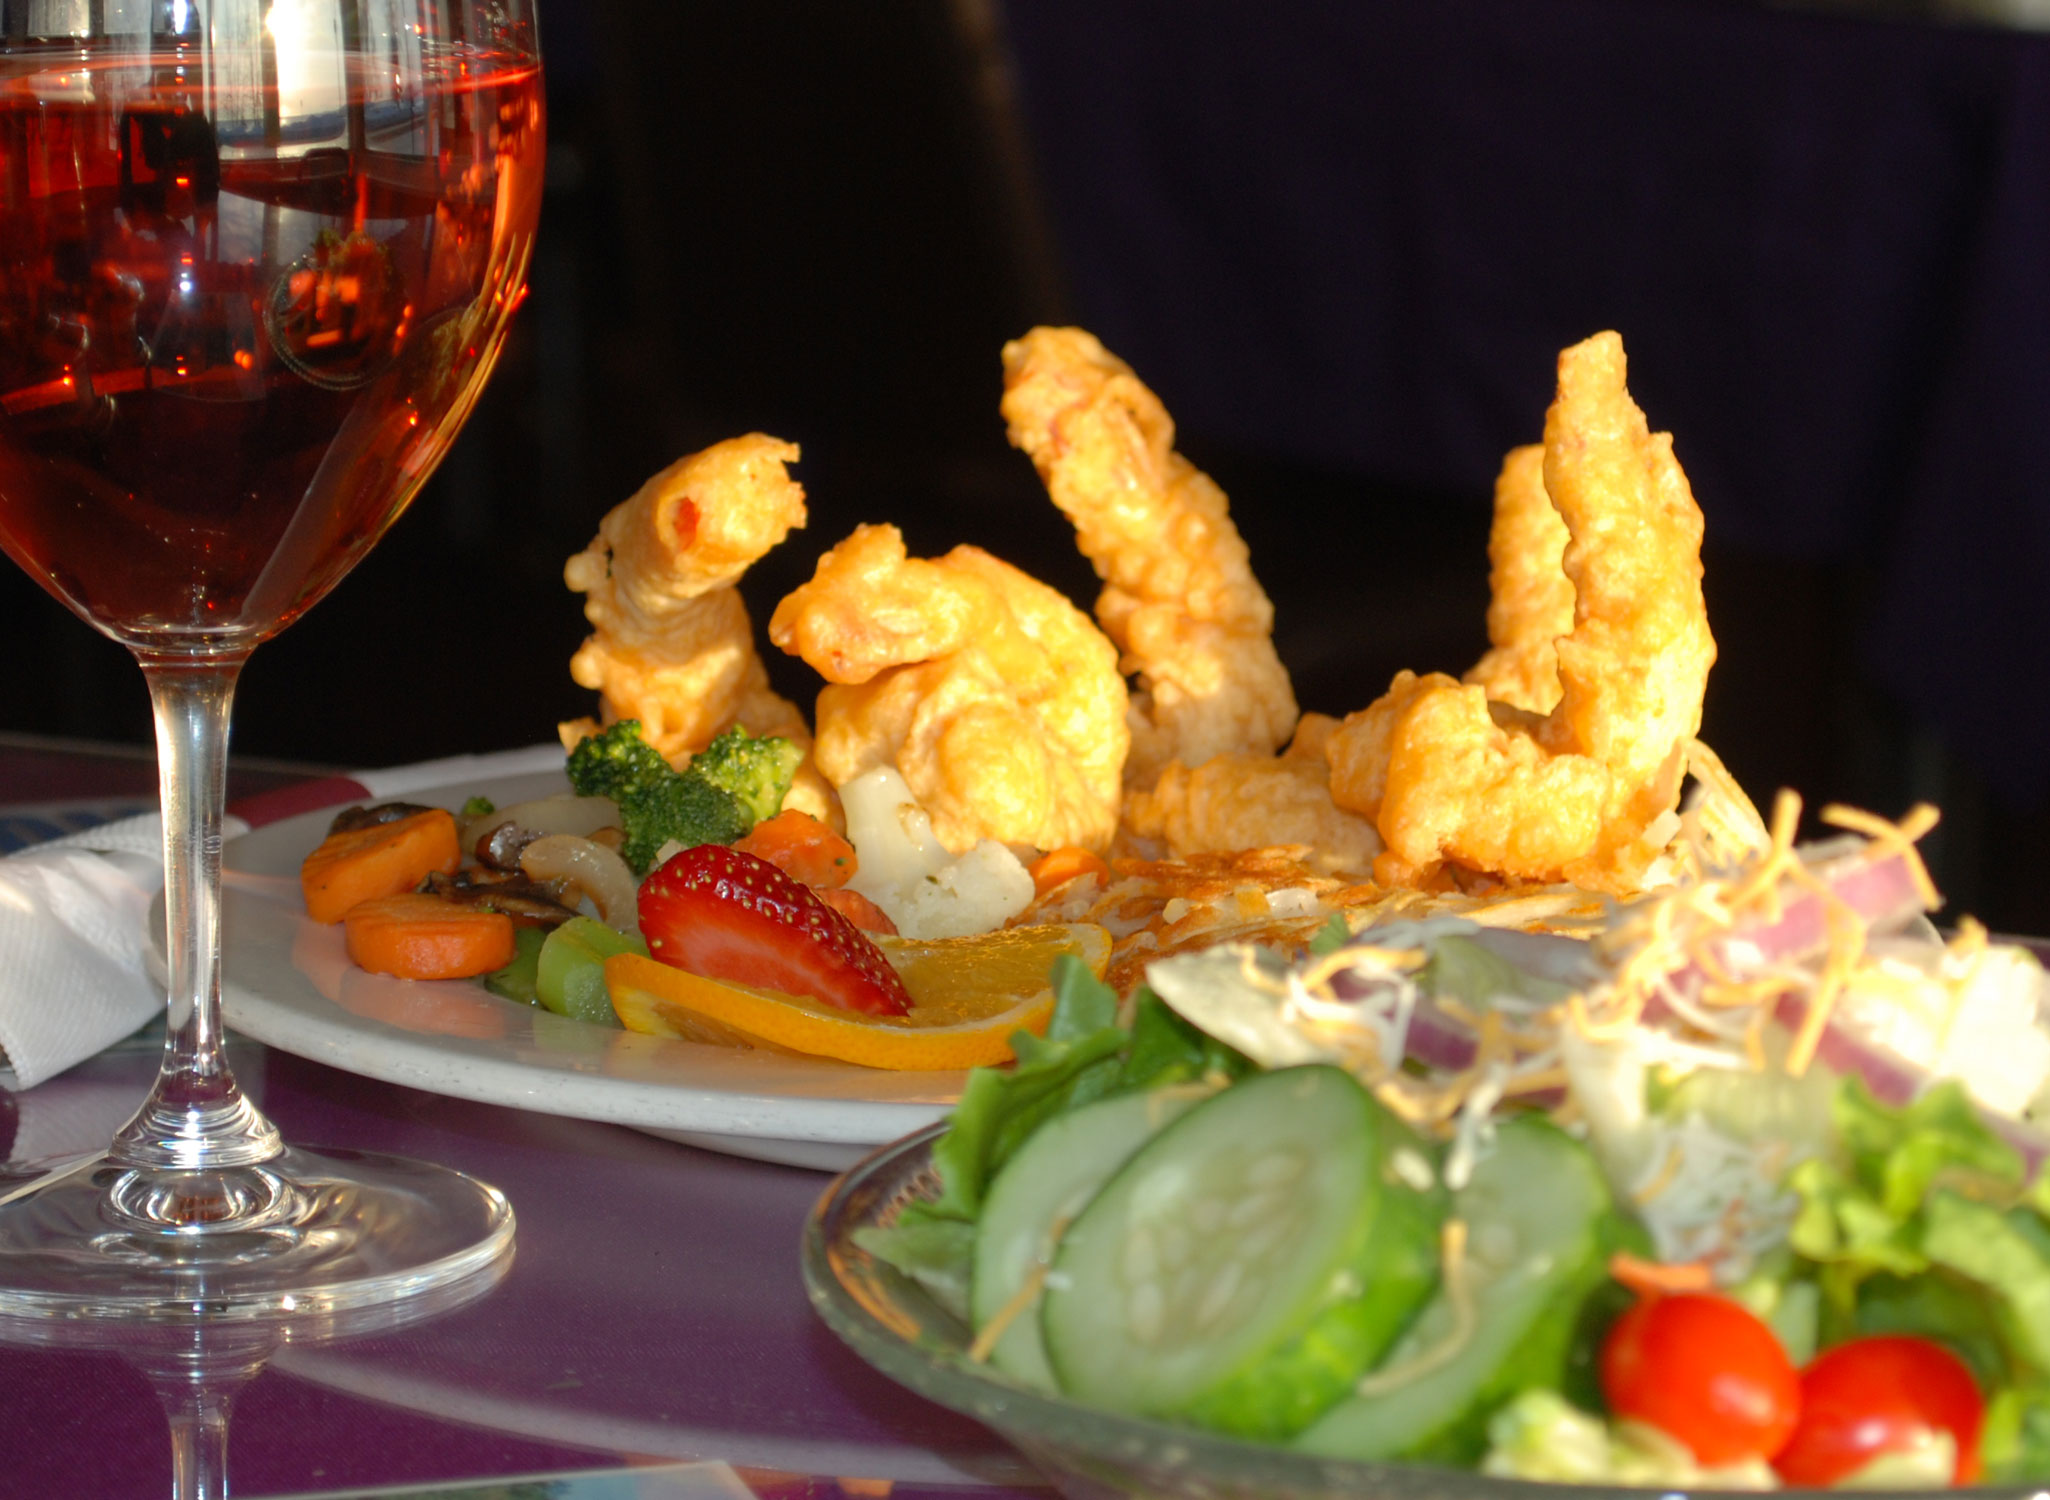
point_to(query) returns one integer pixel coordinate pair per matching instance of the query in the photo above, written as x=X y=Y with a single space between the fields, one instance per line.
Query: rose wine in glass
x=257 y=258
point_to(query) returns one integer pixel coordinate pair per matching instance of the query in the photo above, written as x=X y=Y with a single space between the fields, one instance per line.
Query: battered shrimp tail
x=671 y=642
x=1585 y=791
x=1634 y=670
x=1530 y=598
x=1179 y=598
x=996 y=699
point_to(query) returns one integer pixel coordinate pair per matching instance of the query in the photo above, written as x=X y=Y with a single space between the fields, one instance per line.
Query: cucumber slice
x=1038 y=1193
x=1248 y=1262
x=1540 y=1225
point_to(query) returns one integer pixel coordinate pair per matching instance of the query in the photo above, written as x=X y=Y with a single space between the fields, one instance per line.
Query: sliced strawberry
x=726 y=915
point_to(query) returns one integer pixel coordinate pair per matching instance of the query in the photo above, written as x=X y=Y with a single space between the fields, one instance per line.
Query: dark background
x=822 y=221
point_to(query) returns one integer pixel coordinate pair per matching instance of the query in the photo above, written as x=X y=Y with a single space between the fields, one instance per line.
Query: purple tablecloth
x=1357 y=235
x=653 y=1312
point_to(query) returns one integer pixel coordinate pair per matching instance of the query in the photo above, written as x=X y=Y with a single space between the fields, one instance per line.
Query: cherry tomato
x=1704 y=1370
x=1880 y=1395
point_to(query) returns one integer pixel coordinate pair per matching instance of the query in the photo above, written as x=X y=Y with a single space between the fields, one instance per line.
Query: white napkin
x=73 y=914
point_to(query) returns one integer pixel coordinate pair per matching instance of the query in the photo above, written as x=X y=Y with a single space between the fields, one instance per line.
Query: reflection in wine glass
x=197 y=1365
x=257 y=258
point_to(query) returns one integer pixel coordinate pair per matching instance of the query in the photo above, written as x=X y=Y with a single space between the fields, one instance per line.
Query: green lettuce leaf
x=1076 y=1061
x=938 y=1254
x=2005 y=1251
x=1939 y=1305
x=1861 y=1210
x=1899 y=1154
x=2014 y=1443
x=1329 y=938
x=1461 y=969
x=1924 y=1222
x=1085 y=1055
x=1166 y=1050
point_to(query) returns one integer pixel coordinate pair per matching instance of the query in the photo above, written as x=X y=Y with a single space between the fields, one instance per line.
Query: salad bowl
x=906 y=1333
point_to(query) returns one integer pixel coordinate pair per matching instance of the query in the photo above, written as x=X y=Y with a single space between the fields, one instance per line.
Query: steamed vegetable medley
x=1736 y=1189
x=691 y=903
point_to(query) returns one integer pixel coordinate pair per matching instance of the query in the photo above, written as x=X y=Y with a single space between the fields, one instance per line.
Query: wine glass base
x=309 y=1232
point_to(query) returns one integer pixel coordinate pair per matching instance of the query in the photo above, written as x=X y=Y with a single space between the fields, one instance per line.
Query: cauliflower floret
x=906 y=871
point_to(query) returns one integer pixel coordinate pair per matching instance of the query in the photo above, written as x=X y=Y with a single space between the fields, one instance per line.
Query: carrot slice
x=364 y=863
x=1062 y=865
x=1652 y=1278
x=801 y=847
x=416 y=936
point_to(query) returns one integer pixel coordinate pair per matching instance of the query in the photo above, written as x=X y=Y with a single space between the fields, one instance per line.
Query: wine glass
x=257 y=258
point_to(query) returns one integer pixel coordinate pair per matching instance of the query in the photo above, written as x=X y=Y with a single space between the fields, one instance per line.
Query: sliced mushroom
x=530 y=903
x=500 y=848
x=589 y=868
x=583 y=816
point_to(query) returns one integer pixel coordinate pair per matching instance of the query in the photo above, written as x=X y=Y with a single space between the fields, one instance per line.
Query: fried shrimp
x=1179 y=596
x=1239 y=800
x=996 y=699
x=671 y=643
x=1584 y=792
x=1530 y=600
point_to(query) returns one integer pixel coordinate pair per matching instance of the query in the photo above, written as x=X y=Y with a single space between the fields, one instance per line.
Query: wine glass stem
x=199 y=1441
x=196 y=1118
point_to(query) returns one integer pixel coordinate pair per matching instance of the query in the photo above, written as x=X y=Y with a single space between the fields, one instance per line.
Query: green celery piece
x=1796 y=1314
x=1757 y=1107
x=516 y=980
x=569 y=975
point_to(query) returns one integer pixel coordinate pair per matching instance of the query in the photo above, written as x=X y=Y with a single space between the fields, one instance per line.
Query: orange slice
x=968 y=995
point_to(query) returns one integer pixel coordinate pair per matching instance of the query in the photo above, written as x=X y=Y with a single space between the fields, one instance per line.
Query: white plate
x=289 y=985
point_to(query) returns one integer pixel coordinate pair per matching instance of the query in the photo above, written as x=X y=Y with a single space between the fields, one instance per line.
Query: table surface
x=653 y=1313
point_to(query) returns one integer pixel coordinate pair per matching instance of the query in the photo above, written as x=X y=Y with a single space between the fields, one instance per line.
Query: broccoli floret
x=687 y=809
x=756 y=770
x=615 y=761
x=713 y=801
